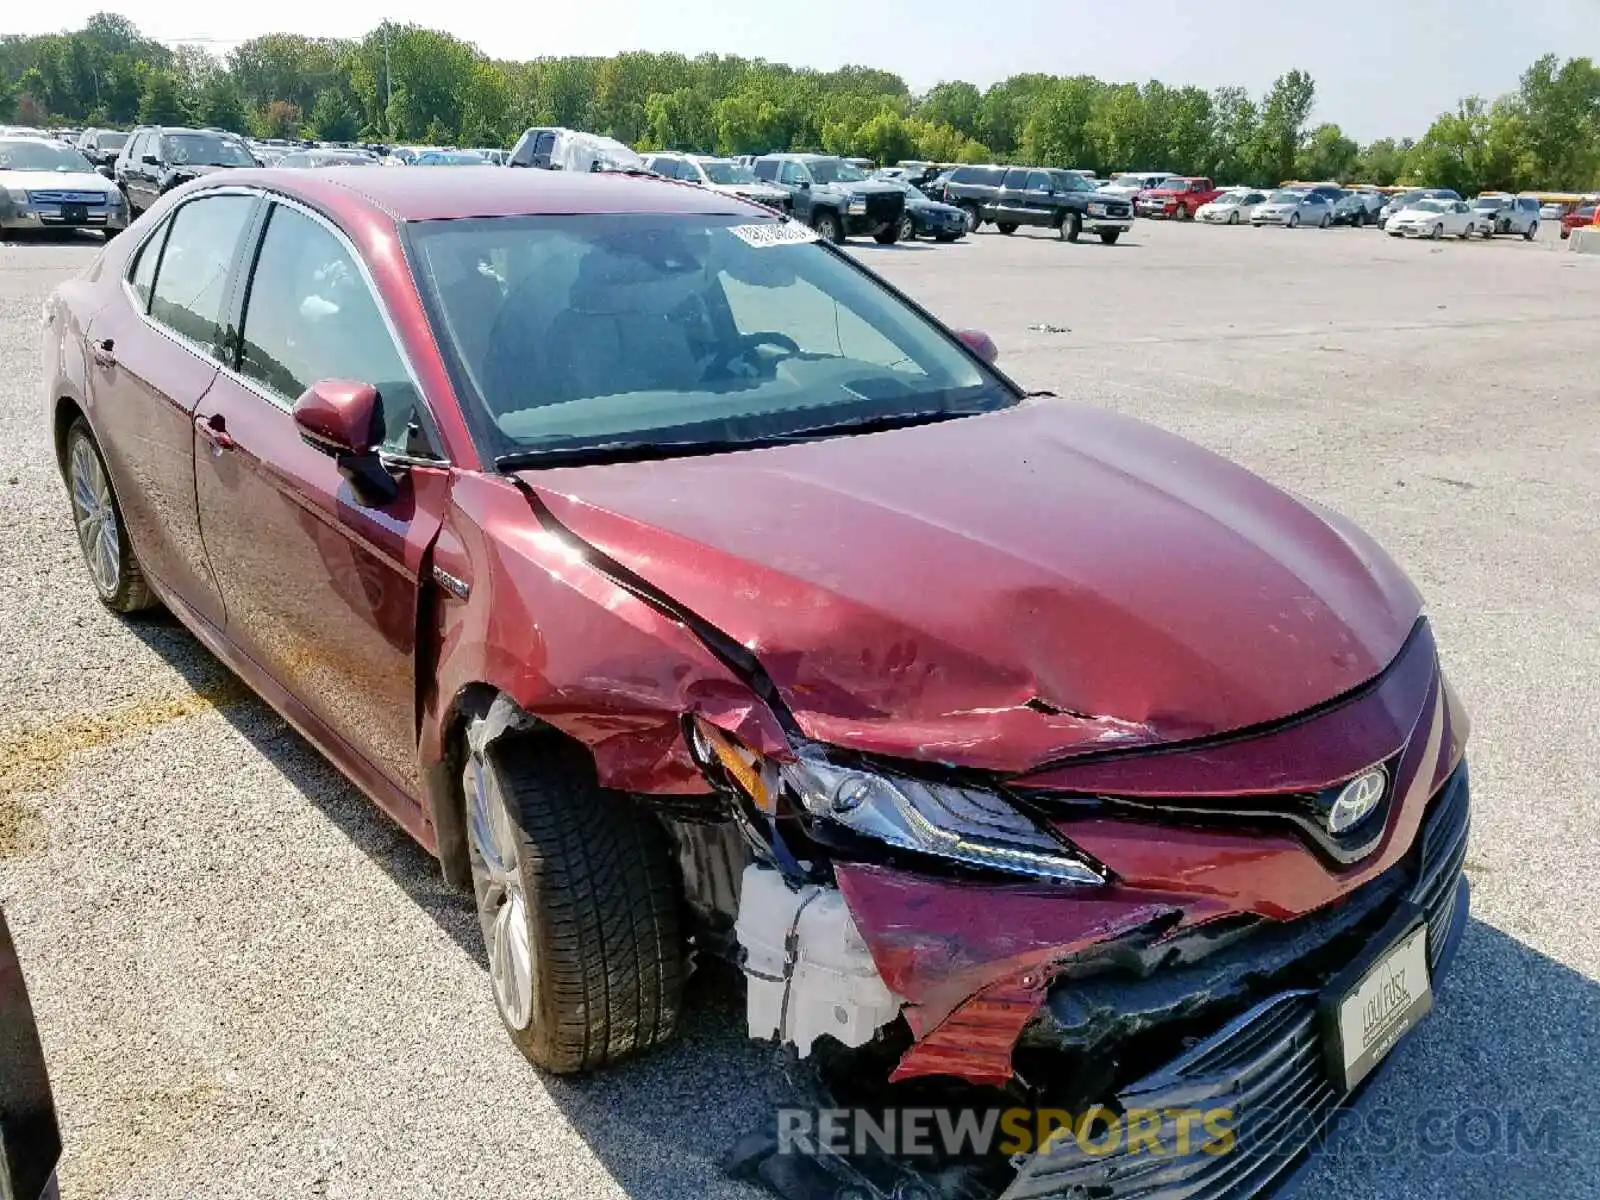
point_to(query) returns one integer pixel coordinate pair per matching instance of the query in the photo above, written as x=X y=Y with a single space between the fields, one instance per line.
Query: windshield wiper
x=643 y=451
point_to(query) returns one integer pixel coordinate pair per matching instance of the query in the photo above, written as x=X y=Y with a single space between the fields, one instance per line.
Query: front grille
x=1265 y=1066
x=87 y=199
x=885 y=207
x=1116 y=210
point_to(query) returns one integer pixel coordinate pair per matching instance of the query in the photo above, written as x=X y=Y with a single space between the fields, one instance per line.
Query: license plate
x=74 y=214
x=1364 y=1017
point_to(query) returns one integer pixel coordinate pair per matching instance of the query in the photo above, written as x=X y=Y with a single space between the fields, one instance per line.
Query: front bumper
x=1271 y=218
x=1155 y=208
x=1099 y=224
x=1265 y=1065
x=47 y=216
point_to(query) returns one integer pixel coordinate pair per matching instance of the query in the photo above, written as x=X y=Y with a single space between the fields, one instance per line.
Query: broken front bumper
x=1265 y=1066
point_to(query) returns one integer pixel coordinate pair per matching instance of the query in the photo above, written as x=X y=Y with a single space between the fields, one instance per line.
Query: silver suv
x=1496 y=212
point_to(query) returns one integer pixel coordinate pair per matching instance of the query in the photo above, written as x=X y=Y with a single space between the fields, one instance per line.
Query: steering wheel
x=726 y=357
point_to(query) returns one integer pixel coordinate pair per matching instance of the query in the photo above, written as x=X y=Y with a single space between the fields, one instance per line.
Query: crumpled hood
x=1004 y=590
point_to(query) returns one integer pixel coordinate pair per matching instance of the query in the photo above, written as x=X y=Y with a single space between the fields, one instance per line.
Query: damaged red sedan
x=690 y=592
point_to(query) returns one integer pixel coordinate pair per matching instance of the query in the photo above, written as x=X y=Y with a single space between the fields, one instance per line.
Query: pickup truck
x=835 y=197
x=1047 y=198
x=1179 y=197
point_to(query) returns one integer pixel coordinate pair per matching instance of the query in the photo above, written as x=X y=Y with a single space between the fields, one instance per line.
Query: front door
x=152 y=356
x=321 y=589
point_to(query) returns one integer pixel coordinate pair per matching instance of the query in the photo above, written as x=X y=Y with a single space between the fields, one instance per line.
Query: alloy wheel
x=95 y=516
x=502 y=901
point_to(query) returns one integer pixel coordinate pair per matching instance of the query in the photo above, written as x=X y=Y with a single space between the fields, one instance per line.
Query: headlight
x=969 y=825
x=113 y=199
x=1097 y=210
x=19 y=196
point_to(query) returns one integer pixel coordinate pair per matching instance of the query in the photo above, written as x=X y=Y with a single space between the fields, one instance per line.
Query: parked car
x=1231 y=207
x=1496 y=212
x=1129 y=184
x=928 y=218
x=1404 y=200
x=678 y=583
x=1177 y=196
x=1293 y=207
x=835 y=197
x=46 y=185
x=101 y=146
x=319 y=159
x=719 y=175
x=490 y=155
x=1433 y=218
x=1582 y=215
x=1552 y=212
x=449 y=158
x=156 y=158
x=1044 y=198
x=556 y=149
x=970 y=188
x=1350 y=207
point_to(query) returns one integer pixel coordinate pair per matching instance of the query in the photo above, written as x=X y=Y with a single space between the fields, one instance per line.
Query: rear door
x=321 y=588
x=1010 y=204
x=154 y=352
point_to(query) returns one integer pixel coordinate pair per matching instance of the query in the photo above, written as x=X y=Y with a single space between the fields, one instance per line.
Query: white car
x=1232 y=207
x=1129 y=184
x=1433 y=218
x=1293 y=207
x=1551 y=212
x=719 y=175
x=46 y=185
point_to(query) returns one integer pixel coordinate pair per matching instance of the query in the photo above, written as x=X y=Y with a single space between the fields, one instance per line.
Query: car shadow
x=1495 y=1095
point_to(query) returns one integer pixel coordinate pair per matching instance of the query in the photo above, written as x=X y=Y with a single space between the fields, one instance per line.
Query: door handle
x=215 y=430
x=104 y=352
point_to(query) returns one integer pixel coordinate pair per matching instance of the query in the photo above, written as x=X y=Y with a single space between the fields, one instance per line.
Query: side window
x=144 y=265
x=191 y=282
x=1038 y=181
x=792 y=174
x=1016 y=177
x=311 y=316
x=766 y=169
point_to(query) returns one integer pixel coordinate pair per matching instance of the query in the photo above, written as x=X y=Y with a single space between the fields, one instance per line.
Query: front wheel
x=1294 y=220
x=1071 y=227
x=102 y=536
x=1532 y=232
x=1110 y=236
x=1006 y=227
x=908 y=229
x=974 y=217
x=1233 y=217
x=828 y=226
x=579 y=911
x=1438 y=231
x=889 y=236
x=1325 y=222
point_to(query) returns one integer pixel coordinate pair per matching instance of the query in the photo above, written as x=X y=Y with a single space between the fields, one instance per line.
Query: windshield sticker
x=773 y=233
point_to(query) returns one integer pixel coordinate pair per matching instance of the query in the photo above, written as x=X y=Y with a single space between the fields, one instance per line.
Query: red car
x=1577 y=218
x=685 y=588
x=1179 y=197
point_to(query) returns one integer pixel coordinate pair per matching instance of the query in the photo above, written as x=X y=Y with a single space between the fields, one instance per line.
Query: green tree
x=955 y=104
x=886 y=139
x=161 y=98
x=1057 y=131
x=277 y=119
x=1380 y=162
x=1284 y=113
x=333 y=118
x=221 y=105
x=1234 y=132
x=1327 y=154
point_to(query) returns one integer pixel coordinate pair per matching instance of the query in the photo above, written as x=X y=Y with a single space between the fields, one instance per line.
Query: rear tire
x=889 y=236
x=828 y=226
x=578 y=906
x=1110 y=236
x=1532 y=232
x=1006 y=227
x=1233 y=217
x=1071 y=227
x=1294 y=221
x=908 y=229
x=102 y=535
x=974 y=217
x=1325 y=222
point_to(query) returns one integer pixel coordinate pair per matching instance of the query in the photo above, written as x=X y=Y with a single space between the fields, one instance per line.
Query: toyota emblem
x=1356 y=800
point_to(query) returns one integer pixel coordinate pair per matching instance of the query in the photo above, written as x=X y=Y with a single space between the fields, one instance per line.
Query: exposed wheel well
x=67 y=411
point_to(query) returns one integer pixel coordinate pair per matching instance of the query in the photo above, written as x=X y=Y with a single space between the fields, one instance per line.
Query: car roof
x=490 y=191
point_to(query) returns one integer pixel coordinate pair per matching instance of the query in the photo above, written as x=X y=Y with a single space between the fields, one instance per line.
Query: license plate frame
x=74 y=214
x=1374 y=1002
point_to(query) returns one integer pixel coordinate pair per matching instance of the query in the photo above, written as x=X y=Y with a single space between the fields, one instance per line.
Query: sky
x=1381 y=70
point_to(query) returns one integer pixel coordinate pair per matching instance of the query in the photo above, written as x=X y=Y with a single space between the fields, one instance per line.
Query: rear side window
x=1038 y=181
x=1017 y=177
x=311 y=316
x=144 y=266
x=191 y=281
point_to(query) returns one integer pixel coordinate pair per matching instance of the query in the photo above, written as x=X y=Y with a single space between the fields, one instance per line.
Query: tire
x=102 y=536
x=1531 y=232
x=1233 y=217
x=1468 y=231
x=1071 y=227
x=974 y=217
x=1325 y=222
x=1438 y=231
x=1294 y=221
x=828 y=226
x=887 y=237
x=1184 y=213
x=908 y=229
x=1006 y=227
x=1110 y=236
x=1488 y=233
x=583 y=887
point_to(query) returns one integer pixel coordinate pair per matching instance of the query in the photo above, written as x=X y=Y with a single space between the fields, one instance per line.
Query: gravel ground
x=251 y=984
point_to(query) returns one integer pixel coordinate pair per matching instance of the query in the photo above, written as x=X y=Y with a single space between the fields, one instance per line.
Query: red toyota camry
x=690 y=592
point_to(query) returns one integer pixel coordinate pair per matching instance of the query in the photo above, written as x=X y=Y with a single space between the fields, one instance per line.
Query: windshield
x=1287 y=197
x=834 y=170
x=41 y=156
x=605 y=335
x=1228 y=199
x=205 y=150
x=1491 y=202
x=1066 y=181
x=111 y=141
x=727 y=172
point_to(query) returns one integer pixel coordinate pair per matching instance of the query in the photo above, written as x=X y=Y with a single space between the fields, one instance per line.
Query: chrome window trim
x=277 y=398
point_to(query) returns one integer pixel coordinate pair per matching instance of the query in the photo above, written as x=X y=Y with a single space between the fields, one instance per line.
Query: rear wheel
x=1233 y=217
x=577 y=904
x=1325 y=222
x=1110 y=236
x=974 y=216
x=1468 y=231
x=102 y=536
x=889 y=236
x=828 y=226
x=1532 y=232
x=1294 y=220
x=908 y=229
x=1006 y=227
x=1071 y=227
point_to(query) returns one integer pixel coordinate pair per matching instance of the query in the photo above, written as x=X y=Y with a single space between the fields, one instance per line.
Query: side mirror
x=340 y=418
x=106 y=171
x=979 y=343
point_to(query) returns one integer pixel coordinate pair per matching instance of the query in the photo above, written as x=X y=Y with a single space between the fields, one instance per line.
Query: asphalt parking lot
x=251 y=984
